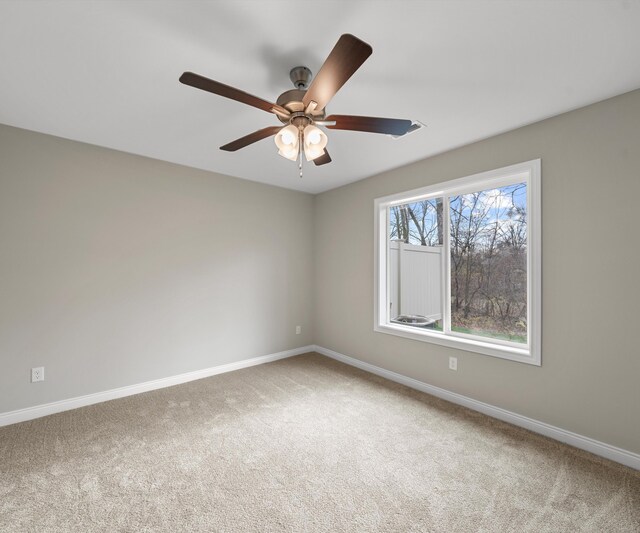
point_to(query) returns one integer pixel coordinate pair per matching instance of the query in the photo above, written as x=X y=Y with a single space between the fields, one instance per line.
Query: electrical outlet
x=298 y=330
x=453 y=363
x=37 y=374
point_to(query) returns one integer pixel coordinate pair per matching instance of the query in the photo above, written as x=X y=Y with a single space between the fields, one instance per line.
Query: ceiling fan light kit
x=303 y=109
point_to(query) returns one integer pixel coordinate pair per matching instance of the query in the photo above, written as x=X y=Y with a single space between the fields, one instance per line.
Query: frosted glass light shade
x=287 y=142
x=315 y=141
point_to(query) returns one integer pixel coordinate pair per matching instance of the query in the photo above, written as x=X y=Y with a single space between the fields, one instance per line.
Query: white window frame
x=529 y=173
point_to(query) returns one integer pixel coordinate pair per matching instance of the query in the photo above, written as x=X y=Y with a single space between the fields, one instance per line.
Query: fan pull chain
x=300 y=141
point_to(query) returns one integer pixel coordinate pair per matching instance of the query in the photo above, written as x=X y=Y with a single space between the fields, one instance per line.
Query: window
x=458 y=263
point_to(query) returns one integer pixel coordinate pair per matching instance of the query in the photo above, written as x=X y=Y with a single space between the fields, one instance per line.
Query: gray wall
x=589 y=381
x=117 y=269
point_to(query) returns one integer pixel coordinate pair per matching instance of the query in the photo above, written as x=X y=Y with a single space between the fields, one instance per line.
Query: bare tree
x=417 y=223
x=488 y=260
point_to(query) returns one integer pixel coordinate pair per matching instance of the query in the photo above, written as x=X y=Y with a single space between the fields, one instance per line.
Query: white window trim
x=528 y=172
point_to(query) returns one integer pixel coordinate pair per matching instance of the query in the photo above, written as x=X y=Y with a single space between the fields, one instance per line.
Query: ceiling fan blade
x=347 y=56
x=215 y=87
x=391 y=126
x=251 y=138
x=323 y=159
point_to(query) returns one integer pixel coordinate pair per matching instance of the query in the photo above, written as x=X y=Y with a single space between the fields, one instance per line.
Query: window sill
x=522 y=355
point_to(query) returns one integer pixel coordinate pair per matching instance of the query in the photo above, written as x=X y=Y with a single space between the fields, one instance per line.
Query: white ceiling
x=107 y=73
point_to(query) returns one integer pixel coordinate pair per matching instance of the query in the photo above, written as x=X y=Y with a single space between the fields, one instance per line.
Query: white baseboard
x=602 y=449
x=29 y=413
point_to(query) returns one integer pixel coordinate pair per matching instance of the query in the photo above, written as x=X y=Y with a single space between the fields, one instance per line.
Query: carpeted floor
x=303 y=444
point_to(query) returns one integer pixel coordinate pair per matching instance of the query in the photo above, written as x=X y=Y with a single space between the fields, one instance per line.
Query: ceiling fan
x=303 y=109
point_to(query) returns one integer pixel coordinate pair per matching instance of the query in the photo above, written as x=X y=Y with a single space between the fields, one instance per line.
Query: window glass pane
x=489 y=263
x=415 y=237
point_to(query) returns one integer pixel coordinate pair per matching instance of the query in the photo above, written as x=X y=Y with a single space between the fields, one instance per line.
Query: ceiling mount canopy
x=303 y=109
x=300 y=77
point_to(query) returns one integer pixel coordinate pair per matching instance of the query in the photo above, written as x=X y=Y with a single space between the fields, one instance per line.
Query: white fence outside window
x=415 y=280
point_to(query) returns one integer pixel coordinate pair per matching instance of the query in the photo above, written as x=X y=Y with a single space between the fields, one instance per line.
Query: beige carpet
x=303 y=444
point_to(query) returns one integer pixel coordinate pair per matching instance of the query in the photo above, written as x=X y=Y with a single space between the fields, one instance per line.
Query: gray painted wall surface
x=590 y=374
x=117 y=269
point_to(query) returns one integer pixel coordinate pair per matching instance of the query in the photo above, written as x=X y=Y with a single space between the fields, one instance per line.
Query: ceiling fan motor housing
x=292 y=102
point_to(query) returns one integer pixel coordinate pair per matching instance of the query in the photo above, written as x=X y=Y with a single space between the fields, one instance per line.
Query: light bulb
x=287 y=137
x=289 y=153
x=314 y=137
